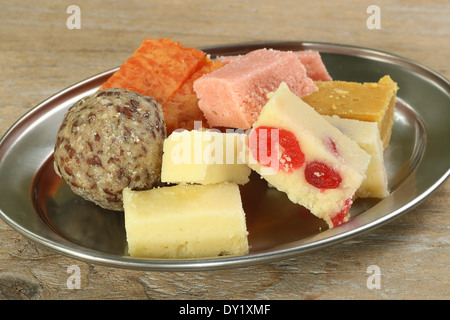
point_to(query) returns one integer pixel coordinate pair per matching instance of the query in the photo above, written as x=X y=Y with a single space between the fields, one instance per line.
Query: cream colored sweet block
x=285 y=110
x=204 y=157
x=367 y=135
x=185 y=221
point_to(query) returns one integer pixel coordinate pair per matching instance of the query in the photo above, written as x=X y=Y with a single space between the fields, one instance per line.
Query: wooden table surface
x=40 y=55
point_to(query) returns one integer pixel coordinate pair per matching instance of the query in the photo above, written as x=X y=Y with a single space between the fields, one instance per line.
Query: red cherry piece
x=322 y=176
x=340 y=217
x=331 y=145
x=291 y=157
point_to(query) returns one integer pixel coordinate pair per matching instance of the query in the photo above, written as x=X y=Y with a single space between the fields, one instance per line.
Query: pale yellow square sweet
x=204 y=157
x=185 y=221
x=367 y=136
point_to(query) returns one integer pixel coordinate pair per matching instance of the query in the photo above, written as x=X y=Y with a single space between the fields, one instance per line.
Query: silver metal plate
x=36 y=203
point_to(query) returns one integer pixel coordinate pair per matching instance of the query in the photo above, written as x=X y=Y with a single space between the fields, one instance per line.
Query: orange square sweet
x=158 y=68
x=182 y=108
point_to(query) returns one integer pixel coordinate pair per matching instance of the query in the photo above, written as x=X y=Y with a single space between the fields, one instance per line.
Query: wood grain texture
x=40 y=56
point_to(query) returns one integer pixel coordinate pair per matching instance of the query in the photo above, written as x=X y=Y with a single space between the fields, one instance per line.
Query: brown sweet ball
x=108 y=141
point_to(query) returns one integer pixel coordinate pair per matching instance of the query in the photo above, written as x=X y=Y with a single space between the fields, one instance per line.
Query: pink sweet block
x=234 y=95
x=315 y=68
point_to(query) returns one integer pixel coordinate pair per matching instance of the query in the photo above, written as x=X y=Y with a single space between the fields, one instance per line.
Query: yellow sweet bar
x=367 y=136
x=185 y=221
x=204 y=157
x=369 y=101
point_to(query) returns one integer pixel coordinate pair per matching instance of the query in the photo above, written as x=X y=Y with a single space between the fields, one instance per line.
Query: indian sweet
x=205 y=157
x=181 y=111
x=108 y=141
x=300 y=153
x=315 y=68
x=233 y=95
x=311 y=60
x=367 y=135
x=164 y=70
x=185 y=221
x=368 y=101
x=158 y=68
